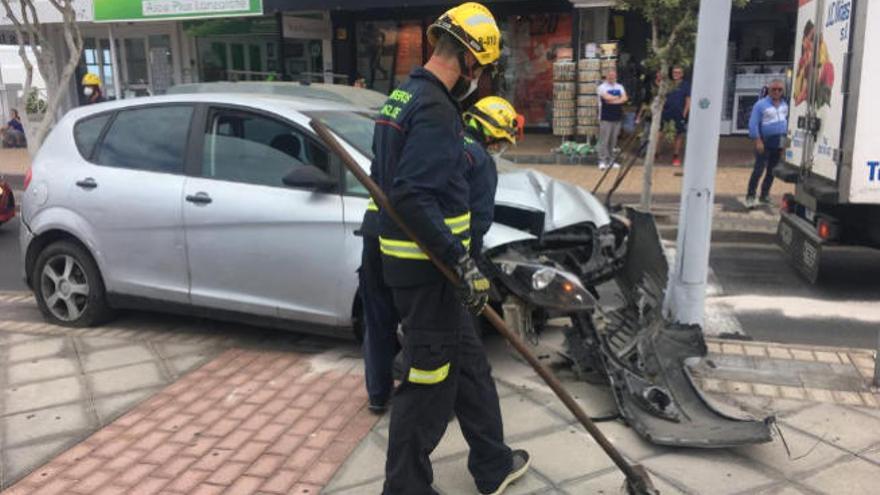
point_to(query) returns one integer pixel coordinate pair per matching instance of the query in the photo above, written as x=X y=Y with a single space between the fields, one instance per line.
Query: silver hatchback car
x=229 y=206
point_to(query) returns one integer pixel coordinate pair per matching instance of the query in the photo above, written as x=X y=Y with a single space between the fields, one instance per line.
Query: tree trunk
x=653 y=139
x=27 y=23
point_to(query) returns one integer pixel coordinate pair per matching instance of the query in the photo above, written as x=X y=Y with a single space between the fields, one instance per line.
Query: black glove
x=473 y=286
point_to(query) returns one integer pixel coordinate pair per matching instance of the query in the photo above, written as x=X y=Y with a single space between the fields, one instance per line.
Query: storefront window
x=236 y=49
x=531 y=45
x=376 y=47
x=161 y=63
x=136 y=60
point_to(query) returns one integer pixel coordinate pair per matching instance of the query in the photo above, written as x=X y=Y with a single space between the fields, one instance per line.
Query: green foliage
x=674 y=28
x=35 y=105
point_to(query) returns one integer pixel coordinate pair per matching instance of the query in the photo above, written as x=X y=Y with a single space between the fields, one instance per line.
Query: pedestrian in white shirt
x=612 y=97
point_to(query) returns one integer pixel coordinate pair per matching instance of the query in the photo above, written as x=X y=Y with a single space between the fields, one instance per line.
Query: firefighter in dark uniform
x=490 y=126
x=421 y=165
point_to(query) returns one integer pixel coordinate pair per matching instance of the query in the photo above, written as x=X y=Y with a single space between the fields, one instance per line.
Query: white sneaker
x=603 y=166
x=615 y=165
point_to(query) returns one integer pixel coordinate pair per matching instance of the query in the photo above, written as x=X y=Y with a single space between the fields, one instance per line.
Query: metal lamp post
x=686 y=293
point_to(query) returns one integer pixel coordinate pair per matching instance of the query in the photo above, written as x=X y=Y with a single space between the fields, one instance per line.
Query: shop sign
x=306 y=29
x=146 y=10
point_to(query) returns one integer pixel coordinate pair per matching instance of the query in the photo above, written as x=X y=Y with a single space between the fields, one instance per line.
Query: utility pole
x=686 y=293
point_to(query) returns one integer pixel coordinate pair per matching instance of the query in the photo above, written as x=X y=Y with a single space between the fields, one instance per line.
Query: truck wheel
x=68 y=286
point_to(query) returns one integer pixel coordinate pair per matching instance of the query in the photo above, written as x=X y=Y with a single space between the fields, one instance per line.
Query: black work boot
x=378 y=406
x=518 y=468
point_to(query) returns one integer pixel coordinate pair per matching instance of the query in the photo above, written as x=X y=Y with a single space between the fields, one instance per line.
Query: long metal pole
x=686 y=294
x=638 y=481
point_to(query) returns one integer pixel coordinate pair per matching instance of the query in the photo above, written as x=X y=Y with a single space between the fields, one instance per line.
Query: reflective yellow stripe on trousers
x=428 y=377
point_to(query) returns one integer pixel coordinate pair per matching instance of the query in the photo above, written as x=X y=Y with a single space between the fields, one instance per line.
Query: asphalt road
x=773 y=303
x=10 y=257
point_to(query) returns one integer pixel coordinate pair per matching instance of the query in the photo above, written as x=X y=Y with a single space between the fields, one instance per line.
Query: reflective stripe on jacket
x=420 y=165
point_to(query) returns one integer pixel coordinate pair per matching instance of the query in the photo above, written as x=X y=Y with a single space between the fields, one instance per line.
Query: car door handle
x=87 y=183
x=199 y=198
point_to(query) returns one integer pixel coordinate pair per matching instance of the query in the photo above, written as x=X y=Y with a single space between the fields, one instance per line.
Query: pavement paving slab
x=846 y=428
x=239 y=396
x=850 y=477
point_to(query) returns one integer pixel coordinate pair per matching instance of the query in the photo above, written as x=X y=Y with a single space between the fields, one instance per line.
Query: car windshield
x=354 y=127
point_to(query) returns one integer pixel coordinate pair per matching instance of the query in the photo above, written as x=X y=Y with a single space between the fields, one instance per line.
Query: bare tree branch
x=32 y=33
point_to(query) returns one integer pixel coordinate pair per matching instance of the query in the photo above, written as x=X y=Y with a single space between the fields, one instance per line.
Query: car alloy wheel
x=65 y=287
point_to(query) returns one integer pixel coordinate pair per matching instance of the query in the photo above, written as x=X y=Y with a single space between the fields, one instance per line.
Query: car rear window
x=151 y=139
x=86 y=133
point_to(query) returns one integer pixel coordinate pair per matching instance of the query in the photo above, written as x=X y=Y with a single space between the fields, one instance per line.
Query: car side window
x=150 y=138
x=86 y=133
x=251 y=148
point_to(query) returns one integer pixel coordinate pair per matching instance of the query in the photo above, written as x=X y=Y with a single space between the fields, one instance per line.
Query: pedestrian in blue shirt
x=676 y=110
x=767 y=126
x=13 y=132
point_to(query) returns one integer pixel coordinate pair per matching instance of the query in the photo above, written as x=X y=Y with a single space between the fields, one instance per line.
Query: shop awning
x=291 y=5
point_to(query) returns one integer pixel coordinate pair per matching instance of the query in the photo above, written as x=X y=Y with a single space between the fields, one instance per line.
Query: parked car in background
x=7 y=202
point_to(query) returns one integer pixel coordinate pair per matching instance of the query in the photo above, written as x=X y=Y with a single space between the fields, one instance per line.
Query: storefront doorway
x=225 y=59
x=145 y=61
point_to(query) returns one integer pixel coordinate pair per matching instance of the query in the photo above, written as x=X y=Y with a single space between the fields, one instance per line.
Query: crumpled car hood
x=563 y=203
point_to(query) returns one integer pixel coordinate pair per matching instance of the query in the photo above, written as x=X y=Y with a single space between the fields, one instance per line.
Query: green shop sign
x=147 y=10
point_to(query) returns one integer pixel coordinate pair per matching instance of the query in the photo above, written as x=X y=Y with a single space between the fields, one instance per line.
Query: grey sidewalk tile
x=366 y=463
x=565 y=455
x=43 y=394
x=626 y=440
x=116 y=357
x=372 y=488
x=709 y=471
x=452 y=443
x=611 y=483
x=452 y=477
x=12 y=338
x=872 y=453
x=522 y=416
x=126 y=378
x=41 y=369
x=781 y=489
x=854 y=476
x=185 y=363
x=109 y=408
x=22 y=460
x=92 y=344
x=807 y=453
x=172 y=349
x=36 y=349
x=49 y=422
x=596 y=400
x=838 y=425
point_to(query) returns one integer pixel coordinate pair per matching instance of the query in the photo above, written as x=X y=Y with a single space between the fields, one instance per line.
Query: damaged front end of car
x=550 y=249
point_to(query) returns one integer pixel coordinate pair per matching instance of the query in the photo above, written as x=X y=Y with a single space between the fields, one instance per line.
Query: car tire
x=68 y=286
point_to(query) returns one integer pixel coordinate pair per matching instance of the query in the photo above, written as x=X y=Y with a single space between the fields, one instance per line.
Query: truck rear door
x=820 y=65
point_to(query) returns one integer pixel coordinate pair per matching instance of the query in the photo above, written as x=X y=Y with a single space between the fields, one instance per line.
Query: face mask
x=463 y=88
x=88 y=91
x=497 y=150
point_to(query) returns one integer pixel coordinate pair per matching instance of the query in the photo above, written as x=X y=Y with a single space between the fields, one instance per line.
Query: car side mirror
x=309 y=177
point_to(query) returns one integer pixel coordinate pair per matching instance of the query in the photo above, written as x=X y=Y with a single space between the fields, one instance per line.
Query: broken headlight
x=542 y=285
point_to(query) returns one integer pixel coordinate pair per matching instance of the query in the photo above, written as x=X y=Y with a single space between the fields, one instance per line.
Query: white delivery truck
x=833 y=154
